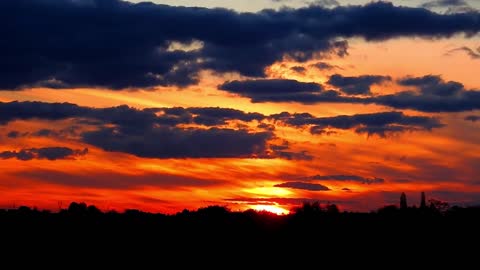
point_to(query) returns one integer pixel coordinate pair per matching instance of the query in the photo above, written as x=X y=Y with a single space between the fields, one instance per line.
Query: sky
x=260 y=105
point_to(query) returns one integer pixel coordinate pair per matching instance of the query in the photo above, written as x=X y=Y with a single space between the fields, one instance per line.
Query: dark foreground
x=311 y=229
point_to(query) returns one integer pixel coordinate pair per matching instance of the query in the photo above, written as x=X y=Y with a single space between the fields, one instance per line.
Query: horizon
x=433 y=205
x=174 y=105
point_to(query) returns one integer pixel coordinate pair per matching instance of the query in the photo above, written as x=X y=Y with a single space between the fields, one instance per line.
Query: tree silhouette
x=438 y=205
x=403 y=201
x=332 y=209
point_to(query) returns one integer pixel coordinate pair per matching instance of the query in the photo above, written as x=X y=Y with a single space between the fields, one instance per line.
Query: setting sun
x=275 y=209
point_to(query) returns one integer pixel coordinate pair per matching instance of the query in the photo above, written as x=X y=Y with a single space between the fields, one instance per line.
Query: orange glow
x=271 y=208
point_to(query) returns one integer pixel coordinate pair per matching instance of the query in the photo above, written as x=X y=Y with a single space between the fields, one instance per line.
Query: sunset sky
x=261 y=104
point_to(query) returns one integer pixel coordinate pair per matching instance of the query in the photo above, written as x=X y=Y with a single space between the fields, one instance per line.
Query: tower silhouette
x=423 y=203
x=403 y=201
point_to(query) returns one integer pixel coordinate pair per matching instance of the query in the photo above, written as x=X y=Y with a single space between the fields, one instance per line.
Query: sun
x=275 y=209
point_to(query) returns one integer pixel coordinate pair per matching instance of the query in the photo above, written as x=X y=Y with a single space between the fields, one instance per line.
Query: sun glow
x=275 y=209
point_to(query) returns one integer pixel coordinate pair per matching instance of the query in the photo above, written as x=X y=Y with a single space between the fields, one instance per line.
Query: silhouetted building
x=403 y=201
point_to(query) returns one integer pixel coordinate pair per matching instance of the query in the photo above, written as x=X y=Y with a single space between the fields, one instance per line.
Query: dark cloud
x=429 y=93
x=270 y=86
x=472 y=118
x=50 y=153
x=115 y=180
x=283 y=151
x=348 y=178
x=299 y=69
x=14 y=134
x=379 y=124
x=45 y=132
x=433 y=85
x=356 y=85
x=122 y=115
x=168 y=142
x=324 y=66
x=218 y=116
x=11 y=111
x=433 y=95
x=266 y=126
x=117 y=44
x=157 y=132
x=319 y=130
x=304 y=186
x=474 y=54
x=281 y=90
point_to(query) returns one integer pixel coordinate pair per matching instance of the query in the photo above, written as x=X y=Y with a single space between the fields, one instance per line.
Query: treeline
x=312 y=225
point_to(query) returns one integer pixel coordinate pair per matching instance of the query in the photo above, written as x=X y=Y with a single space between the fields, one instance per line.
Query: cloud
x=159 y=132
x=283 y=151
x=429 y=93
x=443 y=3
x=304 y=186
x=474 y=54
x=282 y=201
x=115 y=180
x=356 y=85
x=451 y=6
x=324 y=66
x=433 y=95
x=45 y=132
x=263 y=87
x=347 y=178
x=50 y=153
x=379 y=124
x=433 y=85
x=472 y=118
x=325 y=3
x=298 y=69
x=281 y=90
x=14 y=134
x=169 y=45
x=167 y=142
x=123 y=115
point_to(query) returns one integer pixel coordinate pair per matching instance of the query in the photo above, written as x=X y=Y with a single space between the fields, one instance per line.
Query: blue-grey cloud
x=115 y=180
x=356 y=85
x=270 y=86
x=429 y=93
x=117 y=44
x=161 y=132
x=167 y=142
x=49 y=153
x=380 y=124
x=155 y=132
x=474 y=54
x=472 y=118
x=304 y=186
x=324 y=66
x=348 y=178
x=299 y=69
